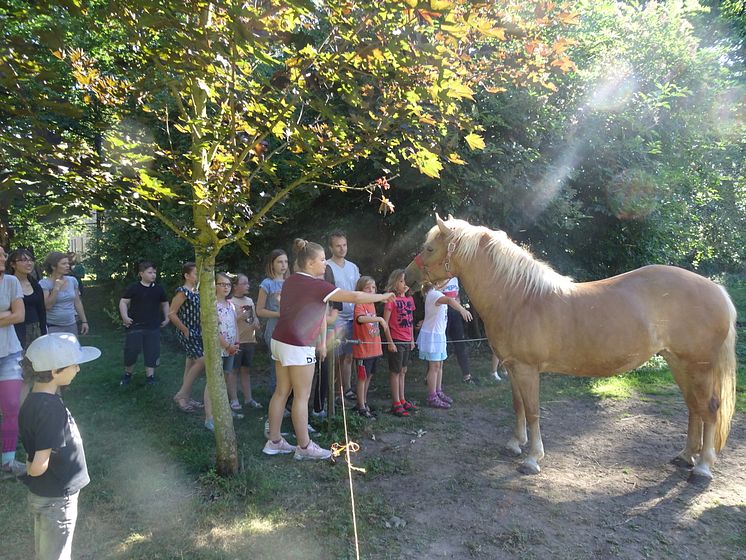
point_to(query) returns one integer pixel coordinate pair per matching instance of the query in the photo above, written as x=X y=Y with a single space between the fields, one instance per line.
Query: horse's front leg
x=526 y=379
x=688 y=457
x=520 y=436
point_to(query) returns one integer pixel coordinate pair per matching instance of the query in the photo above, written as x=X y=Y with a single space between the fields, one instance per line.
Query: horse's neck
x=492 y=299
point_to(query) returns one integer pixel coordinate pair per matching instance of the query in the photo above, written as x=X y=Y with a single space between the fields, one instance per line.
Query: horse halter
x=419 y=263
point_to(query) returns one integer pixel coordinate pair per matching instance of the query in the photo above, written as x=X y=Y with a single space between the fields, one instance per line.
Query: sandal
x=196 y=404
x=365 y=413
x=399 y=411
x=184 y=405
x=410 y=407
x=350 y=395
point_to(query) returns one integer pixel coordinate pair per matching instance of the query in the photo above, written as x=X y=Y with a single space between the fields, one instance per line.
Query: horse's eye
x=429 y=249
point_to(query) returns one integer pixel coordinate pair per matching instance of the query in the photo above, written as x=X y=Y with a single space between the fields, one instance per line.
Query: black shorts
x=245 y=356
x=368 y=363
x=399 y=360
x=147 y=341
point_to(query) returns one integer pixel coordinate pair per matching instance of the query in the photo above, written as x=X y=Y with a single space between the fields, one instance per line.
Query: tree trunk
x=226 y=461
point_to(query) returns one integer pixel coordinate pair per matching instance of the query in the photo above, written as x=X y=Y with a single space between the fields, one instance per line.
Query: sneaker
x=253 y=404
x=470 y=380
x=320 y=415
x=236 y=415
x=13 y=469
x=150 y=380
x=210 y=424
x=286 y=413
x=281 y=447
x=126 y=378
x=434 y=402
x=496 y=376
x=312 y=452
x=312 y=430
x=445 y=398
x=235 y=405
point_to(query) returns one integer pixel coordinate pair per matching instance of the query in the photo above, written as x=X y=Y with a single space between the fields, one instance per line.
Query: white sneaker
x=321 y=414
x=271 y=448
x=311 y=429
x=496 y=376
x=311 y=453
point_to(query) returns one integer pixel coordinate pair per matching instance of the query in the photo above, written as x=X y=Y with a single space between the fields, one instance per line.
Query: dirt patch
x=607 y=488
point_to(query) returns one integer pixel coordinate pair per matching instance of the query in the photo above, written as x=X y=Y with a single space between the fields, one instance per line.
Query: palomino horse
x=539 y=321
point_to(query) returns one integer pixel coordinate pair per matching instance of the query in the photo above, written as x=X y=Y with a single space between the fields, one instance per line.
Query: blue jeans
x=54 y=525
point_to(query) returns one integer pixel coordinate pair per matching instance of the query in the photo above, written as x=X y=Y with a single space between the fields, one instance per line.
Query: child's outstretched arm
x=454 y=303
x=387 y=331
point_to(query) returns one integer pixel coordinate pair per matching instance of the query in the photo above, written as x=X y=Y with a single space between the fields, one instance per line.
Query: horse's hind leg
x=693 y=380
x=688 y=455
x=526 y=380
x=520 y=435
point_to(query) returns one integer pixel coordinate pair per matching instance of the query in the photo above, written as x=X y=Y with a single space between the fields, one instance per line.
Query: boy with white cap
x=56 y=467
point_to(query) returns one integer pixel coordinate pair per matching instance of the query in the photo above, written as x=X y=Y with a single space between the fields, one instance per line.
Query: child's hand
x=127 y=321
x=389 y=296
x=392 y=347
x=233 y=349
x=321 y=351
x=466 y=314
x=411 y=345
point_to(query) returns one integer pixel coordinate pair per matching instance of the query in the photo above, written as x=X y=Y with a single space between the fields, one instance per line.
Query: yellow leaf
x=550 y=86
x=428 y=163
x=475 y=141
x=495 y=89
x=378 y=55
x=569 y=18
x=440 y=5
x=458 y=90
x=427 y=119
x=455 y=158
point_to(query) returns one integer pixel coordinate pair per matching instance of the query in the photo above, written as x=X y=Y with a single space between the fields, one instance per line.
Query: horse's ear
x=450 y=217
x=442 y=225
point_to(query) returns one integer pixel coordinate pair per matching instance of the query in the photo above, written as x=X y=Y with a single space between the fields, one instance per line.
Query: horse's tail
x=725 y=377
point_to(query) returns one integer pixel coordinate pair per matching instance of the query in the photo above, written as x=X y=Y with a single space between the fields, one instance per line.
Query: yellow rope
x=349 y=446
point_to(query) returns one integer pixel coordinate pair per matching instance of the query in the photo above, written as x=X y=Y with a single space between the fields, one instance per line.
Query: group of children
x=397 y=324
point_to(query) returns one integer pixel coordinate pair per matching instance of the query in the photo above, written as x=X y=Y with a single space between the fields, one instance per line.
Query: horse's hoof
x=529 y=467
x=513 y=449
x=680 y=462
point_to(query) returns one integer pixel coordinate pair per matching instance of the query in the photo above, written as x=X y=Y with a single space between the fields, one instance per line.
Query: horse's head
x=434 y=261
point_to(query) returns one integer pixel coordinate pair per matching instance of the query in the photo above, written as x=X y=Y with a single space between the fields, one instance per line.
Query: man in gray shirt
x=346 y=275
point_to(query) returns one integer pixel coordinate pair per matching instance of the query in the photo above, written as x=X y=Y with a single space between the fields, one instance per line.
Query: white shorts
x=289 y=355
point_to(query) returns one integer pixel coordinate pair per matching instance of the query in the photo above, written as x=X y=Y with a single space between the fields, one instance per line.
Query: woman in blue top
x=62 y=296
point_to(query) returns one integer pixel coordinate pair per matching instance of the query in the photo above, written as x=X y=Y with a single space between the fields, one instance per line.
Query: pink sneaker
x=434 y=401
x=271 y=448
x=445 y=398
x=312 y=452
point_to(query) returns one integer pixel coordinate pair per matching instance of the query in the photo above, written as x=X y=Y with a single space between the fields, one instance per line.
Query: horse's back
x=686 y=312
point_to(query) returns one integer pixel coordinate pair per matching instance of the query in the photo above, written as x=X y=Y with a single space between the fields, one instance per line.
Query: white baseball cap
x=59 y=350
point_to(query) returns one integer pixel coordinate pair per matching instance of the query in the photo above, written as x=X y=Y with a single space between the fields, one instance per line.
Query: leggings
x=454 y=332
x=10 y=403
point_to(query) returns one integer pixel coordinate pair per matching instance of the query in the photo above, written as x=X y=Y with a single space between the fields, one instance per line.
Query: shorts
x=10 y=367
x=343 y=333
x=399 y=360
x=369 y=364
x=433 y=356
x=245 y=356
x=147 y=340
x=289 y=355
x=228 y=363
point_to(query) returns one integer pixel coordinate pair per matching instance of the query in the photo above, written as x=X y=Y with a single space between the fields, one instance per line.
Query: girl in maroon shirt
x=296 y=341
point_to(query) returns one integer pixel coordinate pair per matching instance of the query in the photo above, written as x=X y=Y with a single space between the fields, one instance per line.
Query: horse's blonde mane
x=507 y=262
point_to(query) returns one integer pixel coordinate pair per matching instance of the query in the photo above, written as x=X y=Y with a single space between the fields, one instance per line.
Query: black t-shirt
x=145 y=305
x=45 y=423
